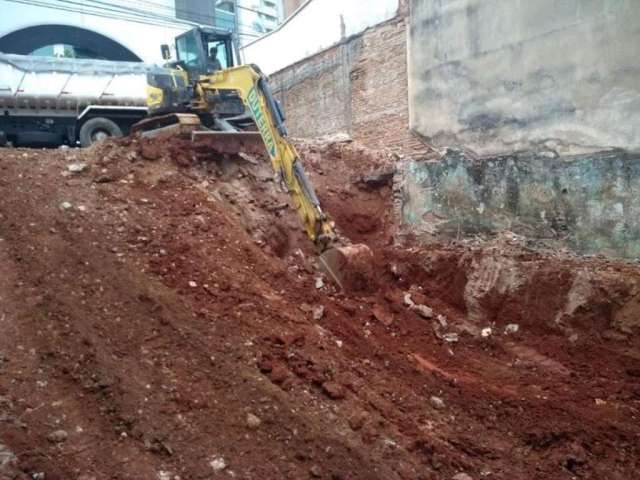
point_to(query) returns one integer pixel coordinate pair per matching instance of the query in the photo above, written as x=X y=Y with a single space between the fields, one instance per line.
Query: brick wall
x=358 y=86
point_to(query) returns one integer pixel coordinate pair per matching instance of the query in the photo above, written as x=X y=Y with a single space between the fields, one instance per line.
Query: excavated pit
x=161 y=307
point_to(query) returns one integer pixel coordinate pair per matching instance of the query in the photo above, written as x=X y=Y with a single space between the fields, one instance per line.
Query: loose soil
x=161 y=308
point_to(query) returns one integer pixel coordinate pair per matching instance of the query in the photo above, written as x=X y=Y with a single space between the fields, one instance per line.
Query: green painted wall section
x=590 y=203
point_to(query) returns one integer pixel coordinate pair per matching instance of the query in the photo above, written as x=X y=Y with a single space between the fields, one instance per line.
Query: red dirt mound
x=164 y=317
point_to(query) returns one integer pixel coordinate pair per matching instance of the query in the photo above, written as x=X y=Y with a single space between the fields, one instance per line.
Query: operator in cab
x=213 y=64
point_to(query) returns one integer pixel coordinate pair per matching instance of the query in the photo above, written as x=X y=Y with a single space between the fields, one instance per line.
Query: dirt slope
x=160 y=320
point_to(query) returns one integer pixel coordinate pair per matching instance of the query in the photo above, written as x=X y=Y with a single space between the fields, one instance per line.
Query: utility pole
x=236 y=33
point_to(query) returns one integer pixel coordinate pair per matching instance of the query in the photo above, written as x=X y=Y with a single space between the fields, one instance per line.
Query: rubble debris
x=408 y=301
x=253 y=421
x=511 y=328
x=461 y=476
x=378 y=179
x=450 y=337
x=423 y=310
x=7 y=458
x=315 y=471
x=382 y=316
x=58 y=436
x=318 y=312
x=437 y=403
x=78 y=167
x=358 y=419
x=217 y=463
x=246 y=342
x=333 y=390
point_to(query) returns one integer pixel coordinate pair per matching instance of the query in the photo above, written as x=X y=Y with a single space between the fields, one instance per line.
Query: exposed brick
x=358 y=86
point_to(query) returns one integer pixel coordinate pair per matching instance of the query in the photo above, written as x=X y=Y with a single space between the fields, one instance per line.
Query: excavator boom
x=347 y=265
x=252 y=87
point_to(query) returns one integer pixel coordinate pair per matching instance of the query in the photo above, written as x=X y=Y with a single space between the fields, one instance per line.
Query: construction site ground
x=162 y=316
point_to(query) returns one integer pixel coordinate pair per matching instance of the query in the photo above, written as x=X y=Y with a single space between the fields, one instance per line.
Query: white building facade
x=133 y=29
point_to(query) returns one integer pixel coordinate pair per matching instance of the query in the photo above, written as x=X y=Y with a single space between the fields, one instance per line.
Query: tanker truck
x=48 y=101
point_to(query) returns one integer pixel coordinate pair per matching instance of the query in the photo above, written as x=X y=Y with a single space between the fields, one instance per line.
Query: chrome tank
x=35 y=84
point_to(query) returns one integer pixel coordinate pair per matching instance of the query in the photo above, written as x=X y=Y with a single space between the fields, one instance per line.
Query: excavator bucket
x=350 y=267
x=167 y=125
x=229 y=142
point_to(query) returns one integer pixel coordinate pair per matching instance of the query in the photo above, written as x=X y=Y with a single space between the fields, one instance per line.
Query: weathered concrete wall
x=358 y=87
x=590 y=203
x=498 y=76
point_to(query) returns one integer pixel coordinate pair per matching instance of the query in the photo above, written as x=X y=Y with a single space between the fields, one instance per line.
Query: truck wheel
x=97 y=129
x=3 y=138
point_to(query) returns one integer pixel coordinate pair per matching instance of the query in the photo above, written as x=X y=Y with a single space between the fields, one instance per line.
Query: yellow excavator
x=203 y=92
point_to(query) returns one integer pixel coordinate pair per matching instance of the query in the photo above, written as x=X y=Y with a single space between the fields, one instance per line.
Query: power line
x=191 y=13
x=98 y=14
x=119 y=12
x=166 y=7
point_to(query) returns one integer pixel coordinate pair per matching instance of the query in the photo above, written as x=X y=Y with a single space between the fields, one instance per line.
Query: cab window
x=217 y=50
x=187 y=50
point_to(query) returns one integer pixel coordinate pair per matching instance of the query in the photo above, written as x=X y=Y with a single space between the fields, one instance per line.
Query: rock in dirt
x=408 y=301
x=77 y=167
x=318 y=312
x=65 y=206
x=357 y=420
x=450 y=337
x=253 y=421
x=378 y=179
x=420 y=309
x=315 y=471
x=423 y=311
x=381 y=315
x=319 y=283
x=58 y=436
x=461 y=476
x=511 y=328
x=340 y=137
x=486 y=332
x=333 y=390
x=437 y=403
x=7 y=457
x=217 y=463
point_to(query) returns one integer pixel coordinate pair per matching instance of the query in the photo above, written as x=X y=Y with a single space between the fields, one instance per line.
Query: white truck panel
x=43 y=83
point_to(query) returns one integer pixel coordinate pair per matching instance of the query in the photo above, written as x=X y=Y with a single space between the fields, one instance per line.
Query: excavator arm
x=252 y=87
x=347 y=265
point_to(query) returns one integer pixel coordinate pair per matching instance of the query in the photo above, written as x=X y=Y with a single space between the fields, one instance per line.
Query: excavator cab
x=203 y=51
